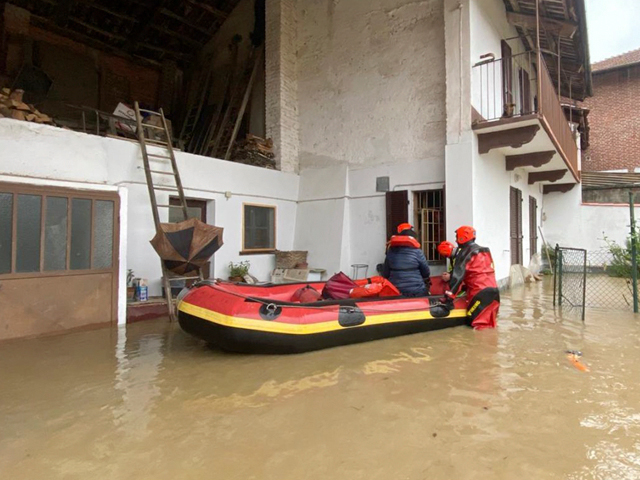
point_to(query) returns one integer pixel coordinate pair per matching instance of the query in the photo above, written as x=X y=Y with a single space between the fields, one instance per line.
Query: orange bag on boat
x=374 y=287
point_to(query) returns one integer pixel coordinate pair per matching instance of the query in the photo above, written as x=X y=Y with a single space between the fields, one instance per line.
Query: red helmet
x=446 y=249
x=465 y=234
x=404 y=226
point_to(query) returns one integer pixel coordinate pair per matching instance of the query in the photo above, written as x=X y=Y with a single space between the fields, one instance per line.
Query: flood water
x=150 y=402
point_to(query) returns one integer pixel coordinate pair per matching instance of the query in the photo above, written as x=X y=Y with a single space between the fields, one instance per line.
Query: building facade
x=379 y=112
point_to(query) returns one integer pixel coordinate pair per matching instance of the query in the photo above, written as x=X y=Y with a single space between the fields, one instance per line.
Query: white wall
x=569 y=223
x=371 y=84
x=491 y=193
x=52 y=156
x=342 y=219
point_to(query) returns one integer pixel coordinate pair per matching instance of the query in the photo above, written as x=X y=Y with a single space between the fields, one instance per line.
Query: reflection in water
x=151 y=402
x=136 y=374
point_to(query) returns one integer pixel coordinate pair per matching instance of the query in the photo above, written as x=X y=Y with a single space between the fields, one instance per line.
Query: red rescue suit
x=473 y=267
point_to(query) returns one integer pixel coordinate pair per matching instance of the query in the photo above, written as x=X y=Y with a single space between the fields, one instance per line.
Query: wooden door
x=397 y=210
x=58 y=259
x=507 y=73
x=515 y=220
x=533 y=226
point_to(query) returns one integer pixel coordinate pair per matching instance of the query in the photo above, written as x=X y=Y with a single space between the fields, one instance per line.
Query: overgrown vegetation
x=620 y=265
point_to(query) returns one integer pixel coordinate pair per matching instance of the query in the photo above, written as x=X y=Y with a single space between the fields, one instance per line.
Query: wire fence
x=570 y=278
x=607 y=285
x=604 y=278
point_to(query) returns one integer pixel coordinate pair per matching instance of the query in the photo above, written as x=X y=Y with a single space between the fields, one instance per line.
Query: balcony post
x=539 y=54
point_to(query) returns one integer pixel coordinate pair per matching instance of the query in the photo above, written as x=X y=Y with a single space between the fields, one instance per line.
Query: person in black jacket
x=405 y=265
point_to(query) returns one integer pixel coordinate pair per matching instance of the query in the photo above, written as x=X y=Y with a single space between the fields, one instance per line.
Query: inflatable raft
x=262 y=319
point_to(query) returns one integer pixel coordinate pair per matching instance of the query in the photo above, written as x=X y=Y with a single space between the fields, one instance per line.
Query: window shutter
x=397 y=210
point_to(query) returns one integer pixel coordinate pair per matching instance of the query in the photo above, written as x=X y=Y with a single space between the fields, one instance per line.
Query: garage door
x=58 y=259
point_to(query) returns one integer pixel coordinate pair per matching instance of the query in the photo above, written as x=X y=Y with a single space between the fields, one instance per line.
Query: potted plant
x=131 y=290
x=237 y=271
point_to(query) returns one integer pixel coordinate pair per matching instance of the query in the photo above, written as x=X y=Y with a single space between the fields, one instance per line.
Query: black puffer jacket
x=408 y=270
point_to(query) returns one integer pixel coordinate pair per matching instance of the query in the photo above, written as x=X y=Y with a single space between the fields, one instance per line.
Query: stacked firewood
x=12 y=106
x=255 y=151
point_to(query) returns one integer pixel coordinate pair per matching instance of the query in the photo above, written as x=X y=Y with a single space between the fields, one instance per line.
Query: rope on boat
x=273 y=306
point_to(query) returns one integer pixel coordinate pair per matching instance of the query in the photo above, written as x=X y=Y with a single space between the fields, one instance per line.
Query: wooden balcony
x=517 y=112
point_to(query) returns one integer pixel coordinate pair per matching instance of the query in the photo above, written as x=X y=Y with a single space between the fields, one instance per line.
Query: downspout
x=460 y=69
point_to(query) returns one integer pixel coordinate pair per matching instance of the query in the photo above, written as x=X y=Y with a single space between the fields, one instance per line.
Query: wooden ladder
x=165 y=144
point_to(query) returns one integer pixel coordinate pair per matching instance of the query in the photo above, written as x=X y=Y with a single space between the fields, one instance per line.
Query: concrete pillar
x=281 y=82
x=459 y=150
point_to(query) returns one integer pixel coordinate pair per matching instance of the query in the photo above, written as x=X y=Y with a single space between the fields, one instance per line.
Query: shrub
x=620 y=265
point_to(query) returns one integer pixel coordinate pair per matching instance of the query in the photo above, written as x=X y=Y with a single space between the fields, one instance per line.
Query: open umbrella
x=186 y=246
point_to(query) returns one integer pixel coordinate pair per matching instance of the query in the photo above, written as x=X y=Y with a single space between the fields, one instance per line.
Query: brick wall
x=614 y=120
x=281 y=83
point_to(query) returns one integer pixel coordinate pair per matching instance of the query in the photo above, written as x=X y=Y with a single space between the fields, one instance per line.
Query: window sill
x=258 y=252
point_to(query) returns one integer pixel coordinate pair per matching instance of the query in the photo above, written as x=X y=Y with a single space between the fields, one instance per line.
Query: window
x=52 y=231
x=259 y=228
x=195 y=209
x=429 y=223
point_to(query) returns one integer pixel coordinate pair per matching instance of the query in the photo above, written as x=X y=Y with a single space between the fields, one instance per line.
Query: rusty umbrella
x=186 y=246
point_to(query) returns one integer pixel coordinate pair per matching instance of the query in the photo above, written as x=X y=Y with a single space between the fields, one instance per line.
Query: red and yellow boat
x=263 y=319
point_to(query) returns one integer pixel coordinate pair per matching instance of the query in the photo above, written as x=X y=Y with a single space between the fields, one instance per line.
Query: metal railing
x=506 y=87
x=553 y=114
x=509 y=88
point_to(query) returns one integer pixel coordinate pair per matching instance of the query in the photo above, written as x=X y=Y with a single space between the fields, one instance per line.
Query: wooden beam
x=208 y=8
x=62 y=12
x=47 y=25
x=93 y=28
x=143 y=27
x=534 y=160
x=564 y=28
x=102 y=8
x=168 y=13
x=559 y=188
x=548 y=176
x=184 y=38
x=167 y=51
x=514 y=138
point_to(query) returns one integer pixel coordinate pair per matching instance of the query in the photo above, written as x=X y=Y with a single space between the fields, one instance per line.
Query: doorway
x=58 y=259
x=533 y=226
x=429 y=221
x=515 y=221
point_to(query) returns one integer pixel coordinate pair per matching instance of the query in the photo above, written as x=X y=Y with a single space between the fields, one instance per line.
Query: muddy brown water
x=150 y=402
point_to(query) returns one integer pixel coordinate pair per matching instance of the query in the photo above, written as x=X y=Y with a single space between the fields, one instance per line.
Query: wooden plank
x=208 y=8
x=534 y=160
x=564 y=28
x=560 y=188
x=547 y=176
x=245 y=101
x=514 y=138
x=168 y=13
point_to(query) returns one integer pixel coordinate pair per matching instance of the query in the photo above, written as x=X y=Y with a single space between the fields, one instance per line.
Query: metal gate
x=570 y=278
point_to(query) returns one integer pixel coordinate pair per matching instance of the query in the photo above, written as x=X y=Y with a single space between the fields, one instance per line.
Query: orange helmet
x=446 y=249
x=465 y=234
x=404 y=226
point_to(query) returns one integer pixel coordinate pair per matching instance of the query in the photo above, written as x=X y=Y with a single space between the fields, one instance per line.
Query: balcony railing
x=508 y=88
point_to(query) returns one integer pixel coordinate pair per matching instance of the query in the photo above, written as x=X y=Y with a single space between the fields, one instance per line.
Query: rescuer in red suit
x=473 y=268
